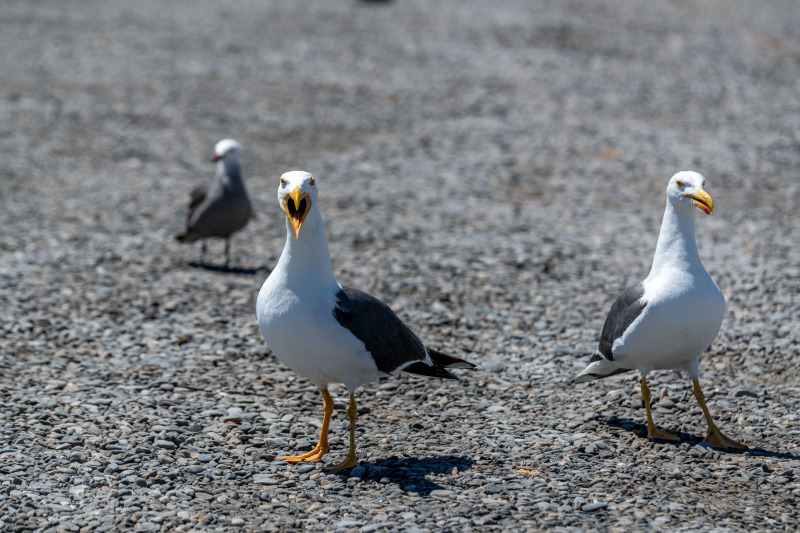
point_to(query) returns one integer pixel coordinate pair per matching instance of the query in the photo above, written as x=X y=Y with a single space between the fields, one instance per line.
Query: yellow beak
x=702 y=200
x=297 y=204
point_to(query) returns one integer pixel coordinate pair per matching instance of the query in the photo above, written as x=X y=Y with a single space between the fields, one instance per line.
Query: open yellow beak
x=297 y=204
x=702 y=200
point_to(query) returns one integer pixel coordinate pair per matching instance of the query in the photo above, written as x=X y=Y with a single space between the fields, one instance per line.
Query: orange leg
x=351 y=460
x=653 y=433
x=714 y=436
x=316 y=454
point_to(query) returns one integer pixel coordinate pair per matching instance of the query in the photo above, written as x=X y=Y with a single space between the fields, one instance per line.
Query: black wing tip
x=442 y=362
x=421 y=369
x=446 y=360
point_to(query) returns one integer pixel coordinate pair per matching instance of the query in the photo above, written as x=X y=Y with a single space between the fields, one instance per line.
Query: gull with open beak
x=668 y=320
x=325 y=331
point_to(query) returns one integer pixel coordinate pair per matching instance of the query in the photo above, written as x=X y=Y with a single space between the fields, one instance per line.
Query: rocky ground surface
x=494 y=171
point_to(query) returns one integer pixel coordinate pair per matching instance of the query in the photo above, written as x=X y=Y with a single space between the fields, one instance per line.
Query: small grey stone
x=78 y=492
x=494 y=488
x=494 y=365
x=346 y=523
x=264 y=479
x=594 y=506
x=65 y=525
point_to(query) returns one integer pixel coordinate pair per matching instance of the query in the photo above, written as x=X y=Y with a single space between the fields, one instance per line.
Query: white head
x=685 y=190
x=225 y=148
x=296 y=194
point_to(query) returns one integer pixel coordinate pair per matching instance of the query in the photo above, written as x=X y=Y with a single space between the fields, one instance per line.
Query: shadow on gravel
x=641 y=431
x=231 y=270
x=761 y=452
x=409 y=473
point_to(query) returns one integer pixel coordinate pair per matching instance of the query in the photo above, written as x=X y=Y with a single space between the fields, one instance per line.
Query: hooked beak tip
x=702 y=200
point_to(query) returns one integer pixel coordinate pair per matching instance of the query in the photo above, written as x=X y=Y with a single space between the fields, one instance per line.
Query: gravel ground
x=480 y=167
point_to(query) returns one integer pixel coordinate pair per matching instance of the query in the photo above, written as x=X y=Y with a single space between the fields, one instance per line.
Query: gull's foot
x=720 y=441
x=349 y=462
x=314 y=455
x=654 y=433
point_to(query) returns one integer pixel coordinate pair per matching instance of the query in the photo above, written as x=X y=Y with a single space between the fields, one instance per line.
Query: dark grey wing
x=196 y=198
x=392 y=345
x=625 y=310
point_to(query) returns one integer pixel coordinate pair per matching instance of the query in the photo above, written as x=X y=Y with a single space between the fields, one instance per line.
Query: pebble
x=78 y=492
x=263 y=479
x=594 y=506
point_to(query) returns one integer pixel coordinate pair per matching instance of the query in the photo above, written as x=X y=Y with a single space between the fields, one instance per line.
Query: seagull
x=223 y=208
x=668 y=320
x=326 y=332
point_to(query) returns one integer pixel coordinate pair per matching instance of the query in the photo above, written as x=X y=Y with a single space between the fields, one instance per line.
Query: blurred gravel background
x=480 y=166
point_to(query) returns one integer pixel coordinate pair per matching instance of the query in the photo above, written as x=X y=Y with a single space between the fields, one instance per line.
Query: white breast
x=303 y=334
x=682 y=318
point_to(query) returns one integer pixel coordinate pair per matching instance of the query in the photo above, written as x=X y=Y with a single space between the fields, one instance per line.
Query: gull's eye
x=311 y=182
x=679 y=183
x=283 y=182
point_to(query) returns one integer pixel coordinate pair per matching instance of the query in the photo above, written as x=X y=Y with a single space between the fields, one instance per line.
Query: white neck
x=307 y=261
x=676 y=248
x=229 y=173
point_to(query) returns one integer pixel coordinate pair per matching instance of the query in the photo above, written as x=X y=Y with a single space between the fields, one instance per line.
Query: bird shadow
x=409 y=473
x=641 y=431
x=222 y=269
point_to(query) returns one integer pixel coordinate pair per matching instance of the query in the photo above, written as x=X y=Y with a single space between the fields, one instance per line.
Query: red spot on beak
x=216 y=158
